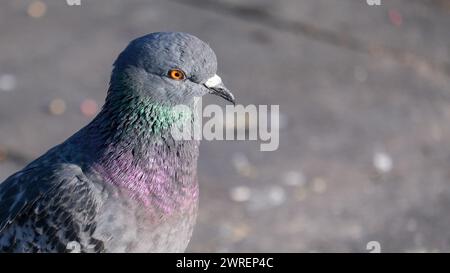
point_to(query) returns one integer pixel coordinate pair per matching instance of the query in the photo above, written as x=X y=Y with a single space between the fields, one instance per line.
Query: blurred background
x=364 y=95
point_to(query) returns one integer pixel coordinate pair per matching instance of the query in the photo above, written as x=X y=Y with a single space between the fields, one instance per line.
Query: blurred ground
x=364 y=99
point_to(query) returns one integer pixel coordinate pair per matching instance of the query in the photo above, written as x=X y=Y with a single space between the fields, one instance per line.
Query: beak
x=216 y=87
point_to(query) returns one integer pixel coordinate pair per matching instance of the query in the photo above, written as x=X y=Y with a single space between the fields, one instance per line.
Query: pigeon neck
x=136 y=152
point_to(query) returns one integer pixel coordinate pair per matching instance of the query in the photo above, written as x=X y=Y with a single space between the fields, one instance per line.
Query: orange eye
x=177 y=74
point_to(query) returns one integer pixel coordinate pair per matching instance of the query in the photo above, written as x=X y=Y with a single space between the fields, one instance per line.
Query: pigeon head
x=168 y=68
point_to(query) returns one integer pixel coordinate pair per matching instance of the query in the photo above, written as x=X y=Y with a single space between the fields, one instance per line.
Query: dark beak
x=222 y=91
x=216 y=87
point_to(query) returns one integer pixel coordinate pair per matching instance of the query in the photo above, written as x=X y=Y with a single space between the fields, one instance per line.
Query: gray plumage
x=122 y=183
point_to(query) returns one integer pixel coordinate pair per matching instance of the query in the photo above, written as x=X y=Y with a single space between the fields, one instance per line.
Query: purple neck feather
x=135 y=152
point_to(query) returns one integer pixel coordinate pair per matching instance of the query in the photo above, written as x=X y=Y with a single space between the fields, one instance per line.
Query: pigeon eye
x=177 y=74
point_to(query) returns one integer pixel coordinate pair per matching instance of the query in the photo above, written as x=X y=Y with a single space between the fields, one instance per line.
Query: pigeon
x=122 y=183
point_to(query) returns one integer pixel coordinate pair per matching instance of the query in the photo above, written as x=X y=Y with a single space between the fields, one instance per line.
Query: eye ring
x=176 y=74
